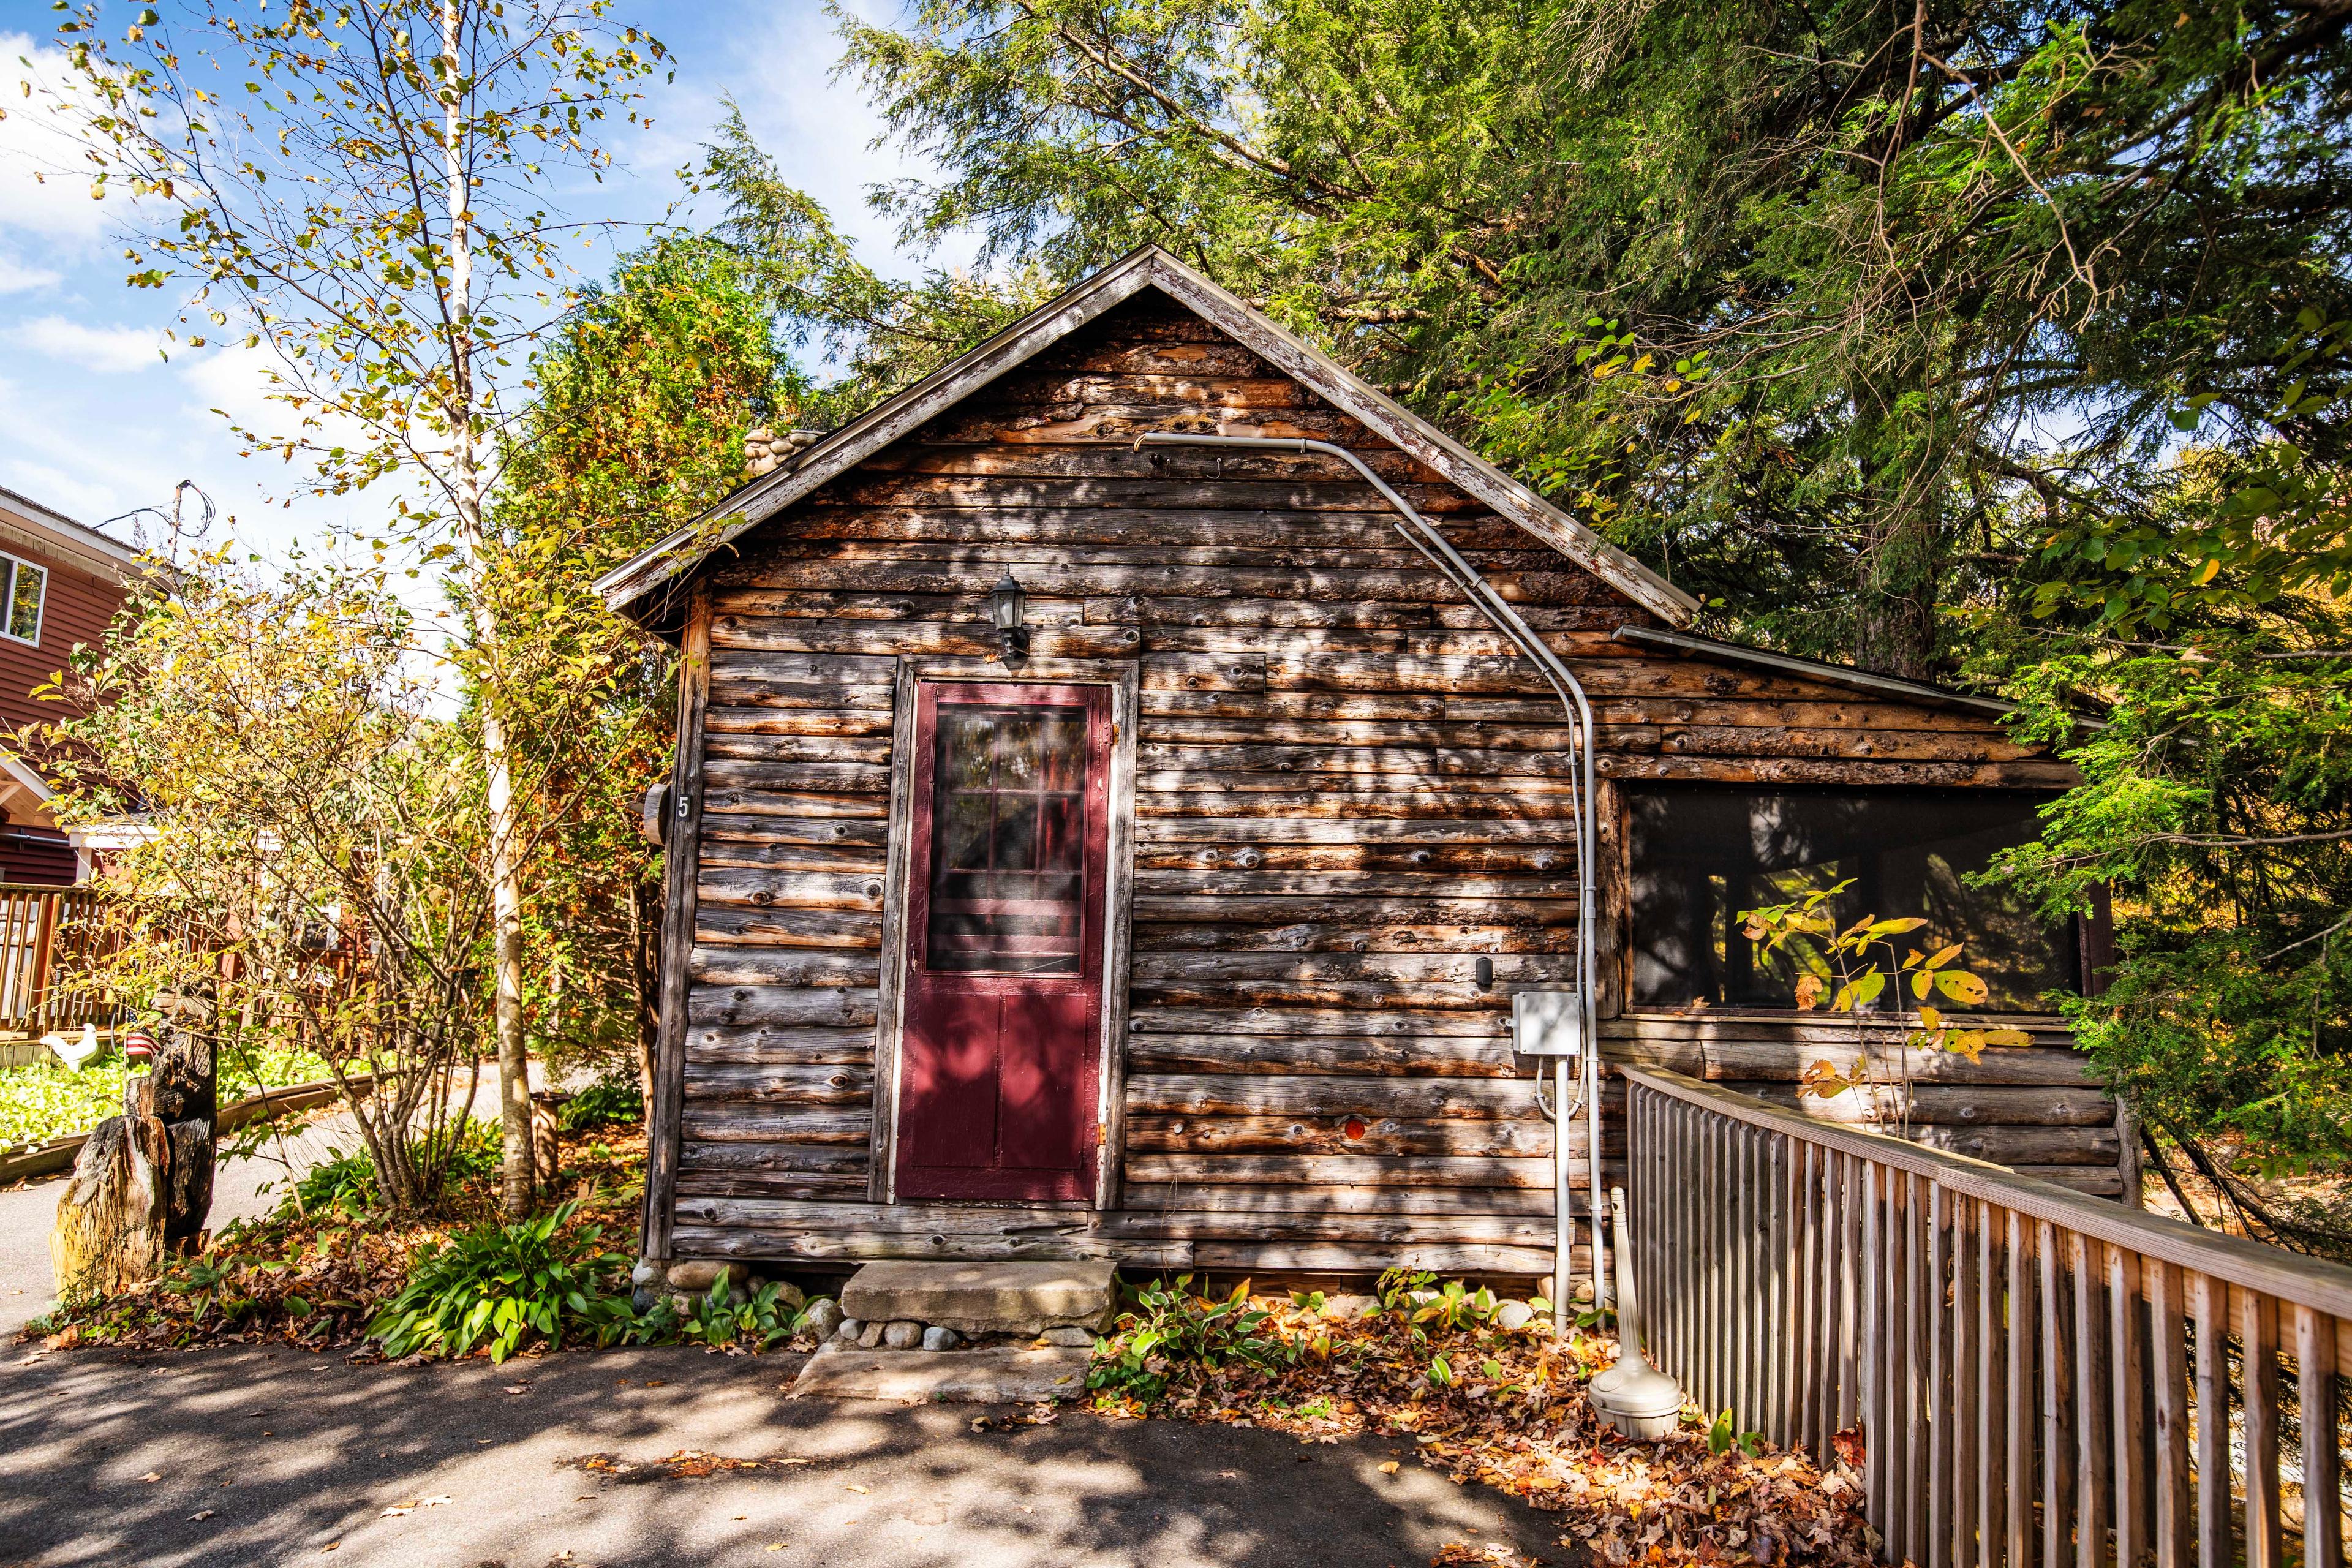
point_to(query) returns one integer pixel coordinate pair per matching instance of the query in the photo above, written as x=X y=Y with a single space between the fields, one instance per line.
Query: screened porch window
x=1702 y=855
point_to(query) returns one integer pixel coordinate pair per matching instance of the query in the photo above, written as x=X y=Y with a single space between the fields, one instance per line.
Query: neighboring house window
x=1702 y=855
x=28 y=587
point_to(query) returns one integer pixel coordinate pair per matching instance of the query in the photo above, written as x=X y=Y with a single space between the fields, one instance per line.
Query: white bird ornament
x=73 y=1053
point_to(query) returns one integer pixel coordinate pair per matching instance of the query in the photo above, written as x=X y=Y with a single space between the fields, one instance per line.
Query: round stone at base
x=1637 y=1400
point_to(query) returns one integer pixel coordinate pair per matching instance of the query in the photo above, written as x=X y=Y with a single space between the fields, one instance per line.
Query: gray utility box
x=1546 y=1023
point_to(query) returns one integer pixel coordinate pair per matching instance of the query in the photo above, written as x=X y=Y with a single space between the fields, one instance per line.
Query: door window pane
x=1008 y=848
x=1701 y=856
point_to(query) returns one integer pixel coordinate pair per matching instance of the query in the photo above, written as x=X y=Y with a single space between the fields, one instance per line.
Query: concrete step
x=984 y=1298
x=995 y=1375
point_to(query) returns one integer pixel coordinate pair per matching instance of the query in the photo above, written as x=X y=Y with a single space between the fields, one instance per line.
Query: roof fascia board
x=889 y=421
x=39 y=527
x=16 y=769
x=1812 y=669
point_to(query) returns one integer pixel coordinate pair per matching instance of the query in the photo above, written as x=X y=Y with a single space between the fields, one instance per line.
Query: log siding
x=1345 y=789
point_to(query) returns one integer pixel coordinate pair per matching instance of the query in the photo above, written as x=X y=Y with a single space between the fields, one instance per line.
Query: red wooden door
x=998 y=1057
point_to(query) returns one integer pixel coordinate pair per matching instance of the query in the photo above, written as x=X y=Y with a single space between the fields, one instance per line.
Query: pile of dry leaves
x=317 y=1280
x=1508 y=1408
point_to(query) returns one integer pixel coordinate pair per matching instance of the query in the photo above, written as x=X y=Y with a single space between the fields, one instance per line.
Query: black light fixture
x=1007 y=602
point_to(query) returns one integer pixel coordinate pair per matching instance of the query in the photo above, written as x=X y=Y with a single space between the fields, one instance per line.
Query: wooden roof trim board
x=628 y=587
x=27 y=524
x=1813 y=669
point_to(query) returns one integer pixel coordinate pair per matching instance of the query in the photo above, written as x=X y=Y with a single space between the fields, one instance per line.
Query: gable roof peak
x=633 y=586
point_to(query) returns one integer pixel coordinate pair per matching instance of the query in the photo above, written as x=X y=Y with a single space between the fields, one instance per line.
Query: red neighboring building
x=60 y=583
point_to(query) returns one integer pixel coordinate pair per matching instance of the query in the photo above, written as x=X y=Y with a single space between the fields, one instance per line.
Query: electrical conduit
x=1441 y=554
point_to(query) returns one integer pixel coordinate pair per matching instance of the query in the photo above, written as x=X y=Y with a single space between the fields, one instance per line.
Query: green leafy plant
x=608 y=1102
x=347 y=1183
x=1857 y=966
x=755 y=1323
x=1419 y=1297
x=497 y=1286
x=342 y=1183
x=1456 y=1308
x=1167 y=1325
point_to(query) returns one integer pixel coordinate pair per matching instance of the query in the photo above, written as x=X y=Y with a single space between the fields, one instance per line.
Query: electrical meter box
x=1546 y=1023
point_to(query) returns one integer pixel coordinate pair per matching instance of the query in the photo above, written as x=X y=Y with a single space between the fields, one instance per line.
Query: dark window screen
x=1008 y=846
x=1701 y=856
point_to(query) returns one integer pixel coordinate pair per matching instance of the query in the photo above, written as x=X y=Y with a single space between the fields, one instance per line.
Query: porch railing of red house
x=2036 y=1375
x=46 y=932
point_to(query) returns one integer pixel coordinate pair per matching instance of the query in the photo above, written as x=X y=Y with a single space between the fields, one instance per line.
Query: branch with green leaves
x=1857 y=966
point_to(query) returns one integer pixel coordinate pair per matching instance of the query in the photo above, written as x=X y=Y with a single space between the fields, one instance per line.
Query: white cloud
x=108 y=349
x=16 y=278
x=40 y=196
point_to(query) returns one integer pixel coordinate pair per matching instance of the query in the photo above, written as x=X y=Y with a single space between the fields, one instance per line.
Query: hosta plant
x=1166 y=1324
x=497 y=1286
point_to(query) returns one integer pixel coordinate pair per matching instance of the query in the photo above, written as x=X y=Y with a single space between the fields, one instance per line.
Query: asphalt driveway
x=253 y=1456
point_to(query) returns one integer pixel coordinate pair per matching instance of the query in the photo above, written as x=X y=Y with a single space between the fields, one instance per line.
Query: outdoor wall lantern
x=1007 y=602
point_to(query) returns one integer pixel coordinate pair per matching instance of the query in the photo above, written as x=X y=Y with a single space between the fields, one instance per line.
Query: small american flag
x=139 y=1046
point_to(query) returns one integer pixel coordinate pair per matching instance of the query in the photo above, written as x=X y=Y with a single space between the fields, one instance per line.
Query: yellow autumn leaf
x=1962 y=987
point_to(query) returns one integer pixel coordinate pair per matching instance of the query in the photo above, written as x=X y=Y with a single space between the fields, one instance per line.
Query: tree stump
x=110 y=1226
x=142 y=1187
x=186 y=1097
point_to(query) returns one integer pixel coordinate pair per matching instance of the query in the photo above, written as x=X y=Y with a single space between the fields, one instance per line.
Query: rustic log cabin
x=1087 y=839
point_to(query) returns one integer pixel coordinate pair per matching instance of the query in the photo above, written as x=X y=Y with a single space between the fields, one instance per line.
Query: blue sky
x=93 y=423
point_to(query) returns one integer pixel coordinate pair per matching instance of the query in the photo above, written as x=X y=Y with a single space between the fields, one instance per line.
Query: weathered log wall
x=1347 y=788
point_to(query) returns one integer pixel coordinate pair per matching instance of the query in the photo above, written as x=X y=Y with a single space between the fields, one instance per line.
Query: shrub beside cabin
x=1165 y=943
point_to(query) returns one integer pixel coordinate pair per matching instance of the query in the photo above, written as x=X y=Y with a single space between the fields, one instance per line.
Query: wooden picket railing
x=46 y=932
x=2035 y=1376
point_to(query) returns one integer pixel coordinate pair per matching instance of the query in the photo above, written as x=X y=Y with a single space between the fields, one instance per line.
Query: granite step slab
x=1007 y=1374
x=1025 y=1298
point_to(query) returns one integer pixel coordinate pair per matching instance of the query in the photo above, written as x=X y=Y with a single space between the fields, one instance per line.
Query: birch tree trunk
x=506 y=873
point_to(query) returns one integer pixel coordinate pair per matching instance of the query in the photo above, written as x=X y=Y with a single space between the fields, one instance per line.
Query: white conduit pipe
x=1441 y=554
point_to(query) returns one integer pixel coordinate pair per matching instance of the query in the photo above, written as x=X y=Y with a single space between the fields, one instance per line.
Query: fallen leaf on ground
x=1390 y=1468
x=202 y=1513
x=1454 y=1554
x=518 y=1388
x=1508 y=1411
x=859 y=1491
x=151 y=1476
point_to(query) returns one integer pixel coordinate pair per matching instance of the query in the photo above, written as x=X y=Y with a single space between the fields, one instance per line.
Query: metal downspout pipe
x=1441 y=554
